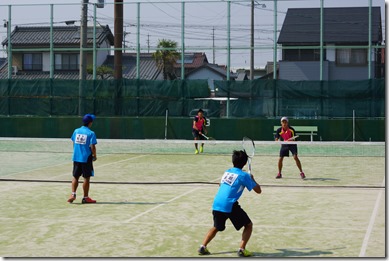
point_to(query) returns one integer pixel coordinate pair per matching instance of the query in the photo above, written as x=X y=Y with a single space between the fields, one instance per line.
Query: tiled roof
x=147 y=66
x=341 y=25
x=192 y=60
x=62 y=36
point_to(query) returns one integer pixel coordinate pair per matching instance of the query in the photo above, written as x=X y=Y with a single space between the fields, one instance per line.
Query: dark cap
x=88 y=118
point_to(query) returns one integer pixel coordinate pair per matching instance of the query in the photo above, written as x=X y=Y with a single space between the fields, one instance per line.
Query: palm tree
x=166 y=58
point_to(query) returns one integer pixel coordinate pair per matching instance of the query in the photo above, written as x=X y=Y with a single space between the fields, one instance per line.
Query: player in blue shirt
x=84 y=153
x=226 y=205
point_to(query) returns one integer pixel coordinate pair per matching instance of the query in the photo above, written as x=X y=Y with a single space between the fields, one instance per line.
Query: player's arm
x=93 y=149
x=277 y=136
x=257 y=187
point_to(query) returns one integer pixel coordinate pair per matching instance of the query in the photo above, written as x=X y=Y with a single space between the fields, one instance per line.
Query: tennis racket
x=292 y=138
x=249 y=147
x=211 y=140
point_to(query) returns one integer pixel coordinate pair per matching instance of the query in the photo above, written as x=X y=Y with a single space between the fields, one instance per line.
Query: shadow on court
x=130 y=203
x=321 y=179
x=303 y=252
x=121 y=203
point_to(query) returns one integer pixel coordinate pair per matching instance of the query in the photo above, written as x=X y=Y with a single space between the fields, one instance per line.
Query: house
x=31 y=64
x=210 y=72
x=148 y=69
x=343 y=27
x=192 y=61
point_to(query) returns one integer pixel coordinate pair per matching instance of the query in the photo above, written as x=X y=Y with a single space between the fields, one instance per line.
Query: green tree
x=103 y=71
x=166 y=58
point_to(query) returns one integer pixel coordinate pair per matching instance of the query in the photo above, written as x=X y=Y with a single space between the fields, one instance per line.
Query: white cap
x=284 y=119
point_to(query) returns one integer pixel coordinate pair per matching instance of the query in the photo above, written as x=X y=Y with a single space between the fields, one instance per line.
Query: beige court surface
x=142 y=211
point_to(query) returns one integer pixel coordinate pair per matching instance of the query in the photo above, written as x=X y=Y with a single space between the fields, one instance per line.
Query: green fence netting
x=257 y=98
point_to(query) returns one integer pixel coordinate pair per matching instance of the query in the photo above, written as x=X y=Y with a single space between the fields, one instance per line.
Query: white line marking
x=162 y=204
x=371 y=223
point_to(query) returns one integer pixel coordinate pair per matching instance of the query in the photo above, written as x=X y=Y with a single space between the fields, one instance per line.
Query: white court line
x=371 y=222
x=99 y=166
x=162 y=204
x=67 y=163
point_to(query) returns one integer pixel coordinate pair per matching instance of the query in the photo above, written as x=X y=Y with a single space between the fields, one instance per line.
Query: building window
x=302 y=55
x=351 y=56
x=67 y=62
x=32 y=62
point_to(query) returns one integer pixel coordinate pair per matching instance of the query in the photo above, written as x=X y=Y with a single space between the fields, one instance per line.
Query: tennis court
x=154 y=199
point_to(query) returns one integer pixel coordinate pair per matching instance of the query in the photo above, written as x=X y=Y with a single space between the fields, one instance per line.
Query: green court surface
x=156 y=202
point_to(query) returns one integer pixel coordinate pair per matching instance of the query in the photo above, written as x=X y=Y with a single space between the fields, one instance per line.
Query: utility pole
x=118 y=40
x=252 y=42
x=213 y=45
x=148 y=43
x=83 y=45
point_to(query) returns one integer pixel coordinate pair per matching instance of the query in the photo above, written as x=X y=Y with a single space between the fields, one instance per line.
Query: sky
x=205 y=23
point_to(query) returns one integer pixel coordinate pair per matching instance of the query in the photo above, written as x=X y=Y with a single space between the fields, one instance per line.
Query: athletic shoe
x=302 y=175
x=88 y=200
x=279 y=176
x=203 y=251
x=201 y=149
x=72 y=198
x=244 y=253
x=196 y=152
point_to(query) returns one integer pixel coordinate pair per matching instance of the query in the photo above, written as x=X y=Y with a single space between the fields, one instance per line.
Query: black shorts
x=285 y=148
x=238 y=217
x=83 y=168
x=196 y=134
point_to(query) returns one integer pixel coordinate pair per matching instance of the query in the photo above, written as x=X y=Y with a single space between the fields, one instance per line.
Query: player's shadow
x=303 y=252
x=130 y=203
x=322 y=179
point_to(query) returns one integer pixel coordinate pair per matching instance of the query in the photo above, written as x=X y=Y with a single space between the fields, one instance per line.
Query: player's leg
x=196 y=136
x=87 y=173
x=280 y=164
x=284 y=152
x=239 y=219
x=219 y=224
x=293 y=149
x=77 y=171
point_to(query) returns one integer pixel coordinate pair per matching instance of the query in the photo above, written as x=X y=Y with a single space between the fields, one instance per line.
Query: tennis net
x=265 y=148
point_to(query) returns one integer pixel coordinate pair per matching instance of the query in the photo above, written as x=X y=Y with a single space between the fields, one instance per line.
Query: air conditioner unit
x=100 y=3
x=14 y=69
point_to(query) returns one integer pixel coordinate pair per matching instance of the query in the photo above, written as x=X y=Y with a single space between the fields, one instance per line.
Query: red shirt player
x=286 y=132
x=198 y=128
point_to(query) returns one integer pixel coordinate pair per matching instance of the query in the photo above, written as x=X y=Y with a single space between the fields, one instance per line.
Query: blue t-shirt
x=231 y=188
x=82 y=139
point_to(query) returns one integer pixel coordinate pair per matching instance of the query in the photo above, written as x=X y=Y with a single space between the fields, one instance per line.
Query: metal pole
x=321 y=39
x=228 y=53
x=369 y=49
x=118 y=41
x=252 y=42
x=182 y=40
x=94 y=42
x=9 y=43
x=83 y=44
x=138 y=42
x=275 y=42
x=353 y=125
x=167 y=112
x=51 y=42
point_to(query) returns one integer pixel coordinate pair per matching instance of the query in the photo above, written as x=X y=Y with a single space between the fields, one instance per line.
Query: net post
x=166 y=115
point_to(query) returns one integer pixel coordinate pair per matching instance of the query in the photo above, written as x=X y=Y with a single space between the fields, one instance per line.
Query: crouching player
x=226 y=206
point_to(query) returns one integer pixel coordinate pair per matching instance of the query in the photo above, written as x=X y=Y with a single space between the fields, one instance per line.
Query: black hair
x=200 y=110
x=239 y=158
